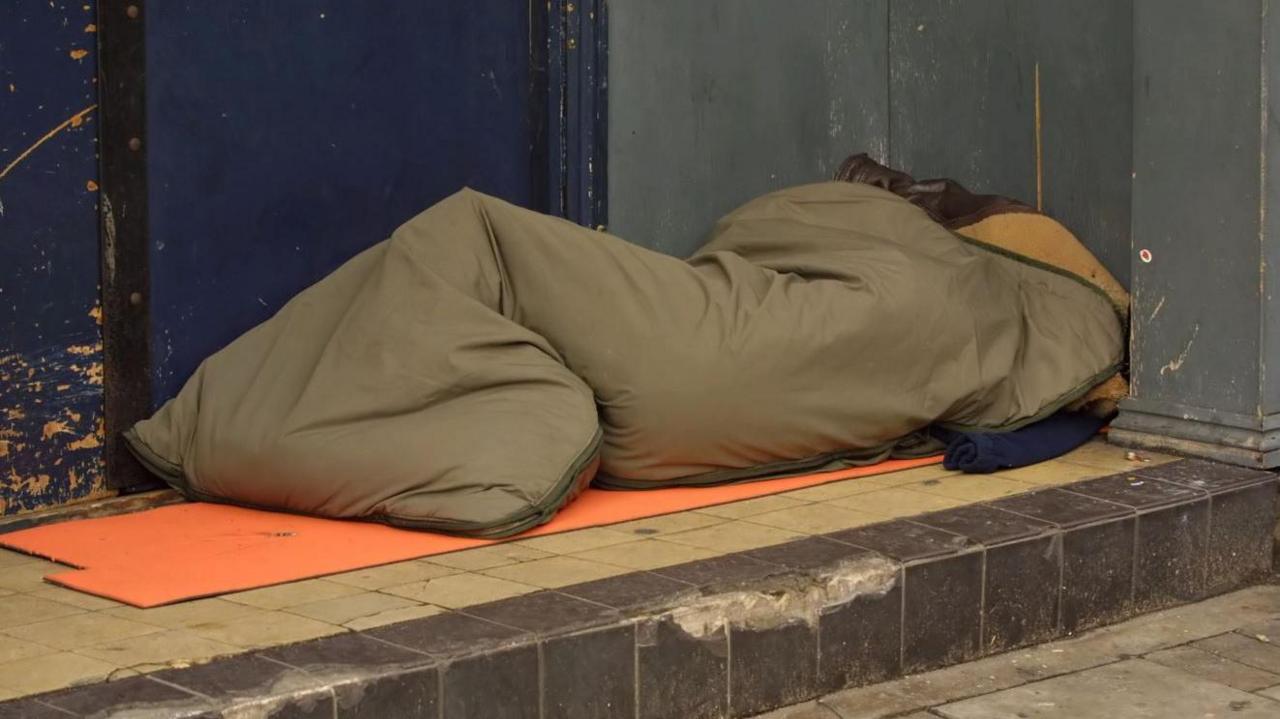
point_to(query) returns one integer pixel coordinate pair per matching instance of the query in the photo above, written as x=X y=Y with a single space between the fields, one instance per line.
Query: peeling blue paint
x=50 y=341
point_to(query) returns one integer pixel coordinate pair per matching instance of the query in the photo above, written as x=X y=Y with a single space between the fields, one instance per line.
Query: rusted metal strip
x=124 y=233
x=577 y=87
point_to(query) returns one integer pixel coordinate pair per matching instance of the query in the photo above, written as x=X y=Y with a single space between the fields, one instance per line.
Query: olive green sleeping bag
x=480 y=367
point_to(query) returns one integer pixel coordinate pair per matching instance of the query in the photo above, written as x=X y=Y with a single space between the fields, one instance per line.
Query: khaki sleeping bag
x=477 y=369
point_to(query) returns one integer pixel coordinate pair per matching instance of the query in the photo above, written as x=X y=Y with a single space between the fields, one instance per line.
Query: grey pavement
x=1216 y=659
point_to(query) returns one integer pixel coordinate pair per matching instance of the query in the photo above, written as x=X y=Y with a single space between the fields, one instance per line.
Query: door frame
x=123 y=235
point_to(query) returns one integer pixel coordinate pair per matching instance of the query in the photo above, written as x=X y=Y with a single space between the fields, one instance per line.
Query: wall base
x=1199 y=432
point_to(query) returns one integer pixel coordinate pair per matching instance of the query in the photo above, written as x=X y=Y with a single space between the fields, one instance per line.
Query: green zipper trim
x=517 y=522
x=912 y=446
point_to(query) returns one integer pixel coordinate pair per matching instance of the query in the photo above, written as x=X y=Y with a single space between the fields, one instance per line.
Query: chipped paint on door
x=50 y=337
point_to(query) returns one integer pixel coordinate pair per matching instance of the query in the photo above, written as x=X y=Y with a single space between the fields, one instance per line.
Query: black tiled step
x=119 y=696
x=501 y=684
x=681 y=675
x=743 y=633
x=1206 y=475
x=1062 y=508
x=1135 y=491
x=903 y=540
x=632 y=592
x=985 y=524
x=942 y=611
x=590 y=674
x=1097 y=574
x=545 y=613
x=860 y=641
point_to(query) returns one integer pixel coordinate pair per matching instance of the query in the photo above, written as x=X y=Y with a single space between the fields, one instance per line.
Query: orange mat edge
x=217 y=549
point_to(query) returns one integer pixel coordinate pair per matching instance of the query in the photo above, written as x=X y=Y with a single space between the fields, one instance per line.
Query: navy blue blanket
x=984 y=452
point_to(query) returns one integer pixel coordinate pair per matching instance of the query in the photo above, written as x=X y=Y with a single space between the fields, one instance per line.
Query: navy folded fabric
x=985 y=452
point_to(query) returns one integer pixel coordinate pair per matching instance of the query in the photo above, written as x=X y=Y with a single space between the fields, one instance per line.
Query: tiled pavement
x=52 y=637
x=1216 y=659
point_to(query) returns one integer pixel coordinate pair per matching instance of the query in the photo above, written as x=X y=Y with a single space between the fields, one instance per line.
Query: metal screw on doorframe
x=132 y=11
x=135 y=298
x=573 y=43
x=135 y=143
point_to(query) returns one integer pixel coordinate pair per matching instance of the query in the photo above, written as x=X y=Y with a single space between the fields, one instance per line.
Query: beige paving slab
x=749 y=507
x=1113 y=459
x=667 y=524
x=9 y=558
x=53 y=671
x=576 y=541
x=166 y=649
x=266 y=629
x=818 y=518
x=832 y=490
x=1051 y=474
x=461 y=590
x=75 y=599
x=341 y=610
x=389 y=575
x=1134 y=689
x=291 y=594
x=29 y=576
x=391 y=616
x=13 y=649
x=81 y=630
x=877 y=701
x=1245 y=650
x=1215 y=668
x=19 y=609
x=970 y=487
x=733 y=536
x=806 y=710
x=647 y=554
x=494 y=555
x=896 y=502
x=907 y=476
x=1265 y=630
x=556 y=572
x=188 y=615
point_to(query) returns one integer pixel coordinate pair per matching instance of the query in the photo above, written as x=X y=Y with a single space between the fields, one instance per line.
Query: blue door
x=248 y=149
x=285 y=137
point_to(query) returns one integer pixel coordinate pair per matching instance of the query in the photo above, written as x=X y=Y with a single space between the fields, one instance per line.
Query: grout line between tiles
x=1060 y=542
x=1133 y=573
x=635 y=666
x=728 y=669
x=542 y=678
x=982 y=606
x=440 y=670
x=902 y=620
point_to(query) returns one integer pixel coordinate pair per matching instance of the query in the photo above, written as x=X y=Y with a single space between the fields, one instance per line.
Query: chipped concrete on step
x=794 y=599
